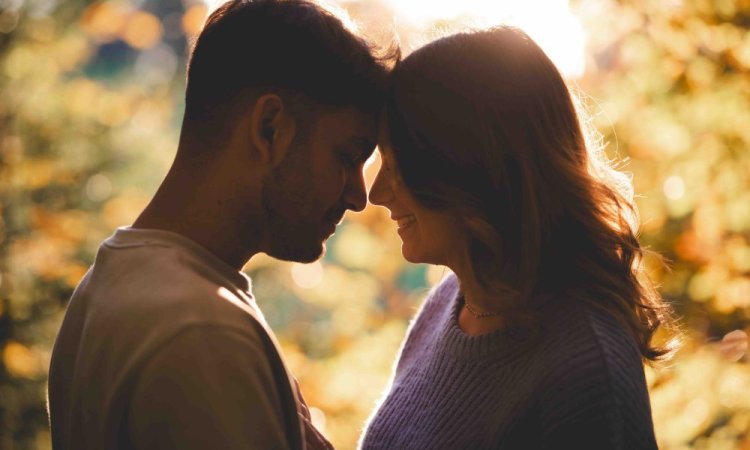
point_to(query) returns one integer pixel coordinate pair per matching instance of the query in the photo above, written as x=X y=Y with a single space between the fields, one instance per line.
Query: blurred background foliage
x=90 y=107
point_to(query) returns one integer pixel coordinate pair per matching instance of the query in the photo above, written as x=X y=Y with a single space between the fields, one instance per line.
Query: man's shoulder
x=127 y=310
x=162 y=279
x=155 y=292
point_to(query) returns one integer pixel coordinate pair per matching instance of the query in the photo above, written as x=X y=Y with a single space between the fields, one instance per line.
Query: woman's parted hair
x=484 y=126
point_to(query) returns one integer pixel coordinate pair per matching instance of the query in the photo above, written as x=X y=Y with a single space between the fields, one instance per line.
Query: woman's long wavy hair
x=484 y=126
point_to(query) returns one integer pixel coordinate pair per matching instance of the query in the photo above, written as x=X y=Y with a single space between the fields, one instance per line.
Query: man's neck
x=207 y=221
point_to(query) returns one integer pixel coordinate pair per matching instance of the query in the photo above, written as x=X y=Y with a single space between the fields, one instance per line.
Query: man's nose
x=355 y=194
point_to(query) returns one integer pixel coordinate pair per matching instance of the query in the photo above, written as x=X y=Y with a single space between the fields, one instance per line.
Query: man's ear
x=271 y=129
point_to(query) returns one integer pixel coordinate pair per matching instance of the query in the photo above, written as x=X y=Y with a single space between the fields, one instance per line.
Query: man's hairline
x=305 y=110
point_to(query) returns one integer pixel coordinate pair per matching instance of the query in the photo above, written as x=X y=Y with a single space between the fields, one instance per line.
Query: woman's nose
x=380 y=192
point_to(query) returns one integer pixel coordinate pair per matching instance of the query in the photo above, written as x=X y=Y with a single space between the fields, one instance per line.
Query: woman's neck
x=479 y=311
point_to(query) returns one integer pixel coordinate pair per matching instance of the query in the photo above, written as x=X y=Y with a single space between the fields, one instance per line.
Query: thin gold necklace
x=479 y=314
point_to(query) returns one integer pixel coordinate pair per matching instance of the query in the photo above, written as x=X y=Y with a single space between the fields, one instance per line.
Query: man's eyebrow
x=364 y=146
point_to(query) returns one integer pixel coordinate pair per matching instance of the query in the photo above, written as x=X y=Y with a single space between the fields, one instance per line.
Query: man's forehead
x=364 y=147
x=351 y=129
x=350 y=124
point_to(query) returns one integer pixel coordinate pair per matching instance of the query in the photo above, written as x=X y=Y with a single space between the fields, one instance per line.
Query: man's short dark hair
x=285 y=46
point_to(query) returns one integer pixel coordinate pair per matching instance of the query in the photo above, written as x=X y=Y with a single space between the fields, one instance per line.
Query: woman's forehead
x=384 y=142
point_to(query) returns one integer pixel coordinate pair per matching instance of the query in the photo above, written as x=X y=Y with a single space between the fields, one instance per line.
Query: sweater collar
x=509 y=339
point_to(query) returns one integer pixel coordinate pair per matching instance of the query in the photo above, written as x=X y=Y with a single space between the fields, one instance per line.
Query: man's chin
x=299 y=254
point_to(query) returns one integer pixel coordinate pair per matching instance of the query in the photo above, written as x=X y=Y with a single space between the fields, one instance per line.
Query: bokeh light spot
x=103 y=21
x=307 y=275
x=194 y=19
x=98 y=187
x=20 y=361
x=143 y=30
x=674 y=187
x=318 y=418
x=734 y=345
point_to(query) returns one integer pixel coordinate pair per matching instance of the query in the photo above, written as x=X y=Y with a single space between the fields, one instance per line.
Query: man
x=162 y=345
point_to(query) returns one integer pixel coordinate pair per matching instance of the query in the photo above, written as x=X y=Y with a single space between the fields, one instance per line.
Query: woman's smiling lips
x=403 y=222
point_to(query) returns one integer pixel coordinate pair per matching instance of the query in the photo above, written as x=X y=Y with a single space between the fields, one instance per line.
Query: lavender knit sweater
x=577 y=383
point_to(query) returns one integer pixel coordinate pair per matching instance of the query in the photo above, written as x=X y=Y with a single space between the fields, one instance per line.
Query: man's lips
x=335 y=217
x=332 y=220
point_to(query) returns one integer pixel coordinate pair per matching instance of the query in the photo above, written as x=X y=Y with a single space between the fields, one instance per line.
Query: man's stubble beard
x=287 y=199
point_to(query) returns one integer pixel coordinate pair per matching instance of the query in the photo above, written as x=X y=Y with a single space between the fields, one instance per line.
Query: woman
x=537 y=340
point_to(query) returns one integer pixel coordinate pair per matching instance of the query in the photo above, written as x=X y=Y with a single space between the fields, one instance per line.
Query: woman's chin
x=410 y=255
x=416 y=257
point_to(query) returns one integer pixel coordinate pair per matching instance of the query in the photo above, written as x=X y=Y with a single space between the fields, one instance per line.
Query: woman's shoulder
x=446 y=290
x=425 y=327
x=594 y=380
x=441 y=298
x=592 y=346
x=578 y=326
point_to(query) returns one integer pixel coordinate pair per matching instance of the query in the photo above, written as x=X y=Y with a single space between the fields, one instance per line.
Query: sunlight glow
x=549 y=22
x=333 y=6
x=211 y=5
